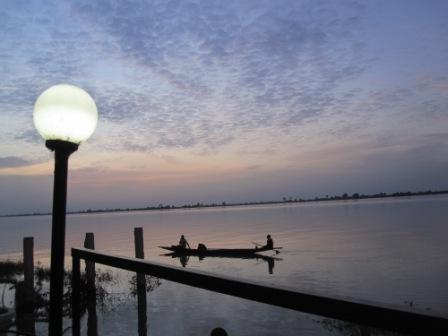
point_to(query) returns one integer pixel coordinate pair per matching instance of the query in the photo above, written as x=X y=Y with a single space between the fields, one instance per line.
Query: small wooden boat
x=217 y=251
x=232 y=256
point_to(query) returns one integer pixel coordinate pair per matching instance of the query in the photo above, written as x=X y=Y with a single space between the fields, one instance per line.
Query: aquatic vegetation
x=11 y=274
x=9 y=270
x=151 y=284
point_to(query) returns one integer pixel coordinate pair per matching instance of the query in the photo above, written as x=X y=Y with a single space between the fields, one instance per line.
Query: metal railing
x=363 y=313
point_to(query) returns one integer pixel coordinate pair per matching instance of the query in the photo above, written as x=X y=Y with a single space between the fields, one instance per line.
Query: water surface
x=387 y=251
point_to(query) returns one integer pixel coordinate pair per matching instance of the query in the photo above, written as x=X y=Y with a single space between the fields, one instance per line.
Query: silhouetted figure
x=269 y=242
x=218 y=332
x=183 y=242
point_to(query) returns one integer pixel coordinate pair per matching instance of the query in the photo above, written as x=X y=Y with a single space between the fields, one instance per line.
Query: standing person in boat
x=269 y=242
x=183 y=242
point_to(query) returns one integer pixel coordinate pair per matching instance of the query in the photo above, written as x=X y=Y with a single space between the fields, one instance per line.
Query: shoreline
x=344 y=197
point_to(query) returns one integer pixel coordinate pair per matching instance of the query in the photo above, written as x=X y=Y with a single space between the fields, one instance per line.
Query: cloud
x=206 y=69
x=13 y=161
x=30 y=136
x=191 y=75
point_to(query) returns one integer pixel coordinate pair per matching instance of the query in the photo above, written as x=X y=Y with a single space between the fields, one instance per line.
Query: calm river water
x=386 y=251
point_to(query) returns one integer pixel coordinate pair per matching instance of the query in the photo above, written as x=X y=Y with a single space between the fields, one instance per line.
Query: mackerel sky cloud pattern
x=230 y=81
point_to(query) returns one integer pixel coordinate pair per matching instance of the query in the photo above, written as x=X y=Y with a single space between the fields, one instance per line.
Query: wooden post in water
x=25 y=288
x=28 y=262
x=76 y=296
x=25 y=291
x=141 y=283
x=92 y=319
x=89 y=242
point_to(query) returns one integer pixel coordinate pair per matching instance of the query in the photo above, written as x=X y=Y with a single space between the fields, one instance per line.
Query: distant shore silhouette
x=289 y=199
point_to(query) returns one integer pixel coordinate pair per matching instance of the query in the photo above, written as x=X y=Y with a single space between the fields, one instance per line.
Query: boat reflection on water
x=184 y=258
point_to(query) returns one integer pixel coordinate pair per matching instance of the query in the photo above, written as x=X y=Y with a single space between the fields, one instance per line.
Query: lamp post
x=64 y=116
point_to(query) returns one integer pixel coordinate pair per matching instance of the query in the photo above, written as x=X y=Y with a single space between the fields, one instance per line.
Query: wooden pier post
x=89 y=242
x=28 y=262
x=25 y=291
x=25 y=288
x=92 y=319
x=141 y=283
x=76 y=296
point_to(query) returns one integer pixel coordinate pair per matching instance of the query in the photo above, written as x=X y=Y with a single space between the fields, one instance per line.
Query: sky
x=212 y=101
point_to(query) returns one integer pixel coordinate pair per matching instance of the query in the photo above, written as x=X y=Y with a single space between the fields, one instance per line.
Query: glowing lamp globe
x=65 y=112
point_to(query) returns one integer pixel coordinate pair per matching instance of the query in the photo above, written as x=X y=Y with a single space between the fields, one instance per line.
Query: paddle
x=276 y=249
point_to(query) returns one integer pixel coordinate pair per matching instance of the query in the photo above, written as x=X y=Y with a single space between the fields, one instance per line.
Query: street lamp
x=64 y=116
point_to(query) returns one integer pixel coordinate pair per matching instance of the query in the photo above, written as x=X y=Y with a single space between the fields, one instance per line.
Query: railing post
x=25 y=288
x=76 y=295
x=92 y=319
x=89 y=242
x=25 y=295
x=141 y=283
x=28 y=262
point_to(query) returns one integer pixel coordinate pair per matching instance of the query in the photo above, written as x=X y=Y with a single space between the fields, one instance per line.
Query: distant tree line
x=355 y=196
x=285 y=199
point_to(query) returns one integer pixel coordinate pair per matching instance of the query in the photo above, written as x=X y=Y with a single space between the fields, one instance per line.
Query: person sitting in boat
x=269 y=242
x=183 y=242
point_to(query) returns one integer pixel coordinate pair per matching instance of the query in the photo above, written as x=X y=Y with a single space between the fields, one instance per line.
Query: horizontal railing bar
x=363 y=313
